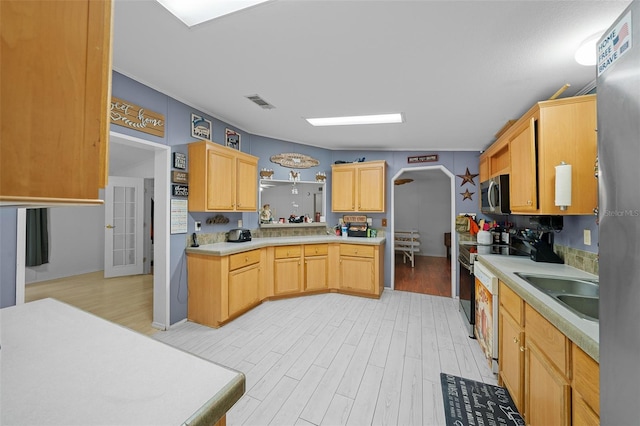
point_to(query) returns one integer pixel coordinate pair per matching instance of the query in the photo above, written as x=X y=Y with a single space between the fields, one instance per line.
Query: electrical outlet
x=587 y=237
x=239 y=223
x=384 y=222
x=198 y=226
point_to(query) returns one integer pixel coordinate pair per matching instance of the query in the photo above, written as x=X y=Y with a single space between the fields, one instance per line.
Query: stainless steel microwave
x=494 y=195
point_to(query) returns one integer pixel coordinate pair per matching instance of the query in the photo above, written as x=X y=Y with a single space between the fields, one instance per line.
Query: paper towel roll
x=563 y=186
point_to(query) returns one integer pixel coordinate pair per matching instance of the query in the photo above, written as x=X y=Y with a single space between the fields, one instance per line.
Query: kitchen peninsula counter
x=583 y=332
x=60 y=365
x=226 y=248
x=228 y=279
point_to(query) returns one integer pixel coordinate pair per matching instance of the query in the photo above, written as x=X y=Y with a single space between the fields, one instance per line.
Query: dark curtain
x=37 y=237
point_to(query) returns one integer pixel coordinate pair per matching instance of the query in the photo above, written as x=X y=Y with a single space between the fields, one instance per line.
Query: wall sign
x=179 y=190
x=294 y=160
x=422 y=159
x=135 y=117
x=615 y=44
x=201 y=128
x=178 y=216
x=232 y=139
x=179 y=161
x=179 y=177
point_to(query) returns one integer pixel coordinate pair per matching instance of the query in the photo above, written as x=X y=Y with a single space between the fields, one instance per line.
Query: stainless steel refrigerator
x=618 y=90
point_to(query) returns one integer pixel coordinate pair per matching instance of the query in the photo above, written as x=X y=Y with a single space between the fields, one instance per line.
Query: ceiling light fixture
x=357 y=119
x=586 y=53
x=194 y=12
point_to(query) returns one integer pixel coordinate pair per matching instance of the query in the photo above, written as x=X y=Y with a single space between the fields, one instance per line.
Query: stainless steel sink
x=587 y=306
x=577 y=294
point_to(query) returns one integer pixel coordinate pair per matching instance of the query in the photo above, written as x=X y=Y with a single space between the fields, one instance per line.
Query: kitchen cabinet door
x=243 y=288
x=511 y=341
x=56 y=87
x=287 y=276
x=315 y=277
x=523 y=177
x=357 y=274
x=220 y=181
x=343 y=189
x=247 y=184
x=547 y=393
x=371 y=187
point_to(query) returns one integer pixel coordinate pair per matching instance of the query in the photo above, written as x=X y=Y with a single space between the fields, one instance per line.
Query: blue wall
x=178 y=134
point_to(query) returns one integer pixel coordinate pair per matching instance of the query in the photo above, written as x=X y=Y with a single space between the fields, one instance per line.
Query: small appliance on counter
x=538 y=244
x=357 y=226
x=238 y=235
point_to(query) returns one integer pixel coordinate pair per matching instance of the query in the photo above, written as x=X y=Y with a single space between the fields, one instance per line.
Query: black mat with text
x=467 y=402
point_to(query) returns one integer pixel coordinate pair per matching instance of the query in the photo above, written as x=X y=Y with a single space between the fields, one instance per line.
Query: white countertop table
x=60 y=365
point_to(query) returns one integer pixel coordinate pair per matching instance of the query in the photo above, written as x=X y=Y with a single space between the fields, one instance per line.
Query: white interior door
x=123 y=240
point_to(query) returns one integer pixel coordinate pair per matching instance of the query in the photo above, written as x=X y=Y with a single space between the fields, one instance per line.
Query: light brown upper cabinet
x=550 y=133
x=358 y=187
x=55 y=85
x=221 y=179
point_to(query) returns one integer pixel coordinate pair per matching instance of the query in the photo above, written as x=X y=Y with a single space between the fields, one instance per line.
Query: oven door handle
x=465 y=265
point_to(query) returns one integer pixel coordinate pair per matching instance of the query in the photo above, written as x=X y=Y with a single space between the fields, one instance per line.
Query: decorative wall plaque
x=179 y=190
x=422 y=159
x=201 y=128
x=232 y=139
x=179 y=177
x=135 y=117
x=179 y=161
x=294 y=161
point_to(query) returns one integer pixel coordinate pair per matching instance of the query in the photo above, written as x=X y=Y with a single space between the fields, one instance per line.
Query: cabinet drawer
x=549 y=339
x=287 y=251
x=356 y=250
x=511 y=302
x=243 y=259
x=586 y=378
x=316 y=250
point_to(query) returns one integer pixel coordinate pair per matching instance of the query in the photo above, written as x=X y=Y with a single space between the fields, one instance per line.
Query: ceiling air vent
x=260 y=102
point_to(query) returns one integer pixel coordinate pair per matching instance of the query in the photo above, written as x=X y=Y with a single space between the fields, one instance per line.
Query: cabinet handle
x=516 y=340
x=316 y=250
x=529 y=202
x=522 y=349
x=246 y=259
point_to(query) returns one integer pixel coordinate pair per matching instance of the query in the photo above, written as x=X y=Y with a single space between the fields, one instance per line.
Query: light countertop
x=583 y=332
x=60 y=365
x=223 y=249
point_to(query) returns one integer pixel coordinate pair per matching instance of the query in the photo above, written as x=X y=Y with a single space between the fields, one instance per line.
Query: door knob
x=110 y=226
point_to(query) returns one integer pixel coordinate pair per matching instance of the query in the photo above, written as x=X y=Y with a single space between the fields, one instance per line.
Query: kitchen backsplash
x=583 y=260
x=220 y=237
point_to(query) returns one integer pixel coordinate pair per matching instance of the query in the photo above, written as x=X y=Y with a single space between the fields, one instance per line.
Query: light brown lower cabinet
x=358 y=269
x=222 y=288
x=551 y=380
x=316 y=267
x=287 y=270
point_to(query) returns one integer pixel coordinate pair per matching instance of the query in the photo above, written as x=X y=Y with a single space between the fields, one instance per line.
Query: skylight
x=194 y=12
x=357 y=119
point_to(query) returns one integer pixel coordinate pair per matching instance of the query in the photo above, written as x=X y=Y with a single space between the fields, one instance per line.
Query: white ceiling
x=457 y=70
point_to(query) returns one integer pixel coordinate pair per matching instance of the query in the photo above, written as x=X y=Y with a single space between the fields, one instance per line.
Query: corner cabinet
x=221 y=179
x=359 y=187
x=56 y=87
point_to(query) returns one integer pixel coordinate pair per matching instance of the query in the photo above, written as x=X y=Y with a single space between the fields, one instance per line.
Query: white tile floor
x=334 y=359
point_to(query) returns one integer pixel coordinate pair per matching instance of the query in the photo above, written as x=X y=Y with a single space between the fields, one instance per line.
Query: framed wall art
x=232 y=139
x=201 y=128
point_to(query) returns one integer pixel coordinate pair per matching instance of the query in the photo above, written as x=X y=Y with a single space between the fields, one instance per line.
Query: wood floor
x=127 y=301
x=334 y=359
x=430 y=275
